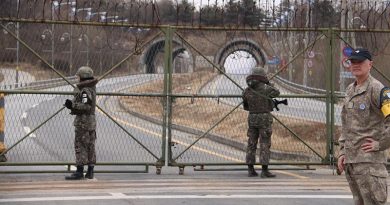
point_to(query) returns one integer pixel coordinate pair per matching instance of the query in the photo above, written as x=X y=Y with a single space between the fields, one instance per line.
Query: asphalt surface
x=299 y=108
x=317 y=186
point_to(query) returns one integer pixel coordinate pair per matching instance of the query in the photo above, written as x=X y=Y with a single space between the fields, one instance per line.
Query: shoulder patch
x=385 y=101
x=84 y=97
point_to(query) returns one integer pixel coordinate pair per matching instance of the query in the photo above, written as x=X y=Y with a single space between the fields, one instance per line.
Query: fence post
x=330 y=98
x=2 y=126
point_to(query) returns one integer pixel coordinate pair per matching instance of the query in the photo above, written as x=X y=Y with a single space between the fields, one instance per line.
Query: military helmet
x=259 y=71
x=85 y=72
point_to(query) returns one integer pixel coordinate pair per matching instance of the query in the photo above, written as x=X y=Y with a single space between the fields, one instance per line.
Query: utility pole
x=52 y=34
x=306 y=42
x=17 y=48
x=342 y=44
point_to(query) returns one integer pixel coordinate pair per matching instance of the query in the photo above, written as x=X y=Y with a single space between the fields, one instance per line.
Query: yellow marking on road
x=196 y=147
x=291 y=174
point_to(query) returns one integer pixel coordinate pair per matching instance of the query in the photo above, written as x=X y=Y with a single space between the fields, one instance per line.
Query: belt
x=258 y=112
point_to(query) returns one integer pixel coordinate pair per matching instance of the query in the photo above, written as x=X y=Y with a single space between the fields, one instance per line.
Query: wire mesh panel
x=37 y=127
x=185 y=80
x=53 y=141
x=216 y=126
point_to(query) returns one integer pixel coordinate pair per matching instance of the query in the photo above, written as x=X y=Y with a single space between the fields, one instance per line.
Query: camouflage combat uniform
x=259 y=119
x=361 y=118
x=85 y=123
x=83 y=106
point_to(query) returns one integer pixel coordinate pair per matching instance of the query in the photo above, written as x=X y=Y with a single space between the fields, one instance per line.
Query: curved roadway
x=53 y=142
x=300 y=108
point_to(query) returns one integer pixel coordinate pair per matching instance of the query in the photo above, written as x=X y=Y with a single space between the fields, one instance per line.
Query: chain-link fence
x=172 y=94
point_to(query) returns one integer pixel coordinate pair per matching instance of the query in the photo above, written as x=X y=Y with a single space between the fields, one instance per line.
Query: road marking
x=118 y=194
x=222 y=196
x=72 y=167
x=291 y=174
x=28 y=130
x=24 y=115
x=194 y=146
x=203 y=150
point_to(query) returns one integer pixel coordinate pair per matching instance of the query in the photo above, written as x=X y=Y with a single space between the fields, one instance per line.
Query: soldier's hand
x=68 y=104
x=340 y=164
x=370 y=145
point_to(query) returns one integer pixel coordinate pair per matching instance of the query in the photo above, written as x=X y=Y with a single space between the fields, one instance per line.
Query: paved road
x=300 y=108
x=53 y=142
x=302 y=187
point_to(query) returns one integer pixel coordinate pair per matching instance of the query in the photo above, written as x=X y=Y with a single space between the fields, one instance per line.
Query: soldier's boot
x=78 y=175
x=251 y=171
x=89 y=174
x=3 y=158
x=265 y=173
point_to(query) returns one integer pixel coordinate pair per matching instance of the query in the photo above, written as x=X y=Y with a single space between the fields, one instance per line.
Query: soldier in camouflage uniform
x=83 y=106
x=258 y=101
x=366 y=133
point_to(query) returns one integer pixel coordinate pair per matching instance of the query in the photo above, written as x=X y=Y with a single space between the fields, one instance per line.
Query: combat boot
x=3 y=158
x=78 y=175
x=265 y=173
x=251 y=171
x=89 y=174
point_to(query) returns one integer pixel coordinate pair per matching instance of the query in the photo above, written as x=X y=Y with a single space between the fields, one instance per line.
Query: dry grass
x=202 y=114
x=38 y=72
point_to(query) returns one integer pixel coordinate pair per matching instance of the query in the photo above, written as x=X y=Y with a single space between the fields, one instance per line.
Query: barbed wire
x=124 y=22
x=233 y=13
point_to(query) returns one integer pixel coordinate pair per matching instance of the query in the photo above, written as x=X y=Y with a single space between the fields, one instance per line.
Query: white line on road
x=118 y=194
x=123 y=196
x=24 y=115
x=72 y=167
x=28 y=130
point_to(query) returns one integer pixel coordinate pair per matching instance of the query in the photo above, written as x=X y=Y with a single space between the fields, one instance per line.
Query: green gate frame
x=166 y=157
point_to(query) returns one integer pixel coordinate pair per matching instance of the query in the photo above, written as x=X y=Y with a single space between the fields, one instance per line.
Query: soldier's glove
x=68 y=104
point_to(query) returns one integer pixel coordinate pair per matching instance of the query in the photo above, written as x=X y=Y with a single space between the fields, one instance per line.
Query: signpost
x=346 y=63
x=309 y=63
x=274 y=61
x=311 y=54
x=347 y=74
x=347 y=51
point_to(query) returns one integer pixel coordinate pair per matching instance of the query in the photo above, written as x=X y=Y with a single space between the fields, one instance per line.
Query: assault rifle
x=277 y=102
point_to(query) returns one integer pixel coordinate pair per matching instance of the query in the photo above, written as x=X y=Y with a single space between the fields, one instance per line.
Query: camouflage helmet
x=85 y=72
x=259 y=71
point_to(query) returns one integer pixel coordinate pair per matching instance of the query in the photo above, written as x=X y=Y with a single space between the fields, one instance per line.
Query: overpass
x=216 y=48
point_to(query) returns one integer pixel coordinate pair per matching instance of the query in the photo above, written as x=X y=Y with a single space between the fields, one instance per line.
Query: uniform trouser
x=254 y=134
x=84 y=145
x=366 y=188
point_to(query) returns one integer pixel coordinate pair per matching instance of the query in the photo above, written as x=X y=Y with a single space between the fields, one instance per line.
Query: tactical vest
x=85 y=119
x=258 y=103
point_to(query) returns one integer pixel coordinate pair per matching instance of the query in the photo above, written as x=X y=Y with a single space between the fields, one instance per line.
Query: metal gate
x=167 y=94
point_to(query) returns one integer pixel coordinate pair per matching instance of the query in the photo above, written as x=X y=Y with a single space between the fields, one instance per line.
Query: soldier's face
x=360 y=68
